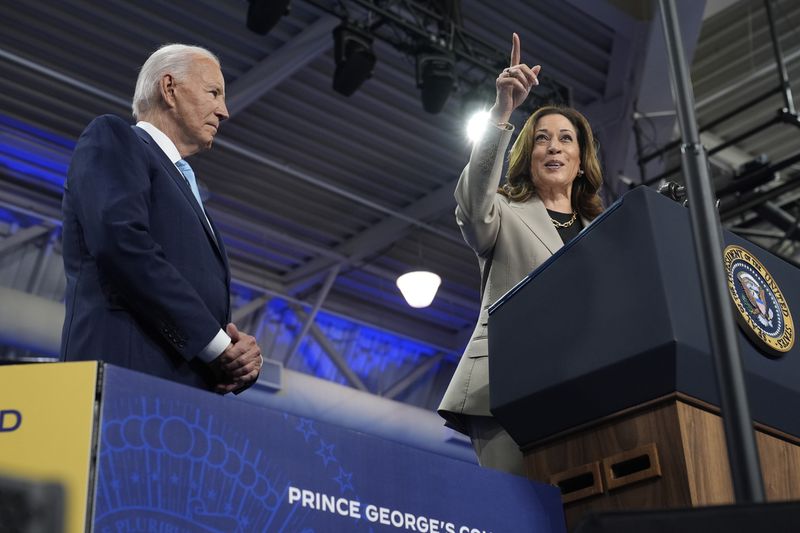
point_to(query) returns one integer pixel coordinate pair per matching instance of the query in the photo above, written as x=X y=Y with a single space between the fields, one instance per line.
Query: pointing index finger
x=515 y=53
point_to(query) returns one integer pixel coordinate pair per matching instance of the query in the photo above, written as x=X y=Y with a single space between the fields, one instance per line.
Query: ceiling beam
x=732 y=157
x=22 y=237
x=379 y=236
x=240 y=314
x=236 y=225
x=281 y=64
x=421 y=370
x=43 y=259
x=737 y=86
x=607 y=13
x=336 y=358
x=309 y=320
x=31 y=203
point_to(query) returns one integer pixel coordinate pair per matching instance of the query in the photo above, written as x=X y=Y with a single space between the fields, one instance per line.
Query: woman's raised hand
x=513 y=84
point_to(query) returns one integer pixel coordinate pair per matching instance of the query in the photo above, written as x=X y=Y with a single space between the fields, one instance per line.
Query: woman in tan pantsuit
x=550 y=194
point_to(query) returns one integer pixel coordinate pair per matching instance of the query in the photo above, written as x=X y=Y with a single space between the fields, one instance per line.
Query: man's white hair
x=174 y=59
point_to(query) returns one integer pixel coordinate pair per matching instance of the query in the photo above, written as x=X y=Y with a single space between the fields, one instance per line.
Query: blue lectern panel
x=175 y=459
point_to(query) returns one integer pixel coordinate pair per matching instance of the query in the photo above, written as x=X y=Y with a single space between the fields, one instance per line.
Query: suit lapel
x=183 y=186
x=534 y=215
x=220 y=246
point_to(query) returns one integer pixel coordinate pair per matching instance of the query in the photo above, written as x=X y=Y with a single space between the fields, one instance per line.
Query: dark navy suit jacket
x=147 y=277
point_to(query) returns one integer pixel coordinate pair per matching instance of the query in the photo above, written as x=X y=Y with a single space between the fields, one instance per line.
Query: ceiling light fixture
x=419 y=287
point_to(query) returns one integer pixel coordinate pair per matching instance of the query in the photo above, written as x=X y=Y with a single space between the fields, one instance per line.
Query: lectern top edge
x=561 y=251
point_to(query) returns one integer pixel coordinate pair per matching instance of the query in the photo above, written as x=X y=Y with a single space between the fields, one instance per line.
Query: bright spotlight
x=477 y=125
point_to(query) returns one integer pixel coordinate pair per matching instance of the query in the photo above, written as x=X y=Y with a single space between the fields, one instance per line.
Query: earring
x=580 y=172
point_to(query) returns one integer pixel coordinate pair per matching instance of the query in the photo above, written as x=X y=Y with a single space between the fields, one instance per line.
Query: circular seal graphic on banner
x=763 y=312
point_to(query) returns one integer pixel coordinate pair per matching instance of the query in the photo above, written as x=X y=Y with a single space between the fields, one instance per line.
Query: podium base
x=668 y=453
x=754 y=518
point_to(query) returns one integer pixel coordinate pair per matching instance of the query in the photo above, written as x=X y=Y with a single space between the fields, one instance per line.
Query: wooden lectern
x=601 y=370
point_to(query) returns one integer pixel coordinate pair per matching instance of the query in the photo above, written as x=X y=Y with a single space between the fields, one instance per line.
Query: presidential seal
x=762 y=311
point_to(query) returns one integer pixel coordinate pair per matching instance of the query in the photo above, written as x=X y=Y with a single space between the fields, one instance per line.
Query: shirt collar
x=161 y=139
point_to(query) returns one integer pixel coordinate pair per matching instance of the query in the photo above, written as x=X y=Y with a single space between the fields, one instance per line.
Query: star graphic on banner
x=174 y=479
x=326 y=452
x=135 y=477
x=345 y=480
x=306 y=427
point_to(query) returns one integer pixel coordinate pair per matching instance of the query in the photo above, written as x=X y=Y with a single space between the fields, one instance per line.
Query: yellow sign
x=46 y=429
x=763 y=312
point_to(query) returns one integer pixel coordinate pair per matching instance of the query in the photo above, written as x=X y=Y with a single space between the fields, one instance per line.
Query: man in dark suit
x=148 y=280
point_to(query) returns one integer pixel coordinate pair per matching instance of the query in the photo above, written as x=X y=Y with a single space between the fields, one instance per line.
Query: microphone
x=677 y=192
x=674 y=191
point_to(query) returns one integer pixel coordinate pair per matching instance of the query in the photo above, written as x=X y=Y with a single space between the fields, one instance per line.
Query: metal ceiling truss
x=280 y=65
x=23 y=237
x=412 y=27
x=753 y=189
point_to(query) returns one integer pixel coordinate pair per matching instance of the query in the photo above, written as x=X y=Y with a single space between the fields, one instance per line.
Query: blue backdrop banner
x=174 y=459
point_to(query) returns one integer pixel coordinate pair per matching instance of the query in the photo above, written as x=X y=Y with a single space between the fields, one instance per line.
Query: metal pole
x=637 y=137
x=707 y=235
x=783 y=74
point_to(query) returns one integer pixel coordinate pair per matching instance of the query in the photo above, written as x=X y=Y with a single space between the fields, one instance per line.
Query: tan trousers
x=494 y=446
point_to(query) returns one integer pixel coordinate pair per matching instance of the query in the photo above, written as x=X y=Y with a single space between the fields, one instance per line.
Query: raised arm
x=513 y=84
x=476 y=193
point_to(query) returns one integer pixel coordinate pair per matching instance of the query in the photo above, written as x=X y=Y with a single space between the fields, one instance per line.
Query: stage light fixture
x=436 y=78
x=354 y=57
x=263 y=15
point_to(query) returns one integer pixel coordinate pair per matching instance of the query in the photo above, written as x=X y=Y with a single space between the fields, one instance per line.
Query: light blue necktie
x=188 y=173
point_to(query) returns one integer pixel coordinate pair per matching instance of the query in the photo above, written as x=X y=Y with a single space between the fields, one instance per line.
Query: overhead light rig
x=263 y=15
x=761 y=191
x=447 y=58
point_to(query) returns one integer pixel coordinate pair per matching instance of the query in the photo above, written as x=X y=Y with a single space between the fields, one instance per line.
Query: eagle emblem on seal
x=757 y=298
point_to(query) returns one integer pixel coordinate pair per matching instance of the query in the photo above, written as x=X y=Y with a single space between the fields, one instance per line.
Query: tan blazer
x=510 y=240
